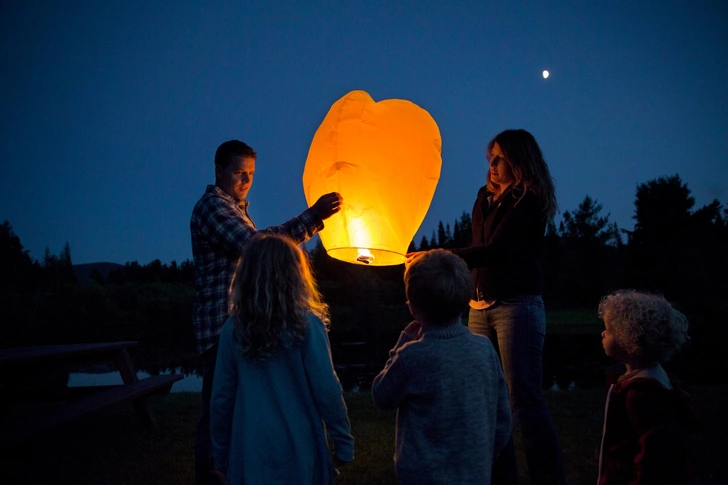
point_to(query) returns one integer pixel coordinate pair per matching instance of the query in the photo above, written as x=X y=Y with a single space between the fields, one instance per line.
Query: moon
x=545 y=74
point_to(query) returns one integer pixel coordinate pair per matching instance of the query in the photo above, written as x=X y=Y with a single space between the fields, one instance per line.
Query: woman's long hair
x=529 y=168
x=273 y=293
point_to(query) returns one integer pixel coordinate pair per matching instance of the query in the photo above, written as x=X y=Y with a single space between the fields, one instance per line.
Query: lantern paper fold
x=384 y=159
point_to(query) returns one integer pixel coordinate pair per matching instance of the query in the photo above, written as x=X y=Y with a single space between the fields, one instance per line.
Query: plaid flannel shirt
x=220 y=227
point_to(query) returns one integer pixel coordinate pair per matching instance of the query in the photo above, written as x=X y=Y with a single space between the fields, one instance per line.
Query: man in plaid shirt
x=220 y=227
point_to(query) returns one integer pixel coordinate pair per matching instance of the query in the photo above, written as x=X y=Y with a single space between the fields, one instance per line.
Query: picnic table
x=32 y=402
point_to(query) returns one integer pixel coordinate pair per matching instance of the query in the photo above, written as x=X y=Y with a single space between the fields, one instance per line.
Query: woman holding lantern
x=509 y=221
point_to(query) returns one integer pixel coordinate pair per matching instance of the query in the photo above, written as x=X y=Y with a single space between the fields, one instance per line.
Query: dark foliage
x=45 y=303
x=673 y=250
x=582 y=258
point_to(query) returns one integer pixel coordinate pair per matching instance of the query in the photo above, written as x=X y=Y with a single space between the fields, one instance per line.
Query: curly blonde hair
x=645 y=325
x=273 y=293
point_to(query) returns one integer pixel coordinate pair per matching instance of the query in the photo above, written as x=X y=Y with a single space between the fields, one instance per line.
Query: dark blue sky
x=112 y=111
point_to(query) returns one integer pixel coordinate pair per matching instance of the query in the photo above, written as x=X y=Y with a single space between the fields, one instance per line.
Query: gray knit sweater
x=452 y=406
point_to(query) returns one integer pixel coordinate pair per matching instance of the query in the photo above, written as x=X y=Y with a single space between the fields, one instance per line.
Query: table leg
x=128 y=375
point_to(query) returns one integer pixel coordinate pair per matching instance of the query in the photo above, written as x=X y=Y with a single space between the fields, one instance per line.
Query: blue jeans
x=516 y=326
x=203 y=443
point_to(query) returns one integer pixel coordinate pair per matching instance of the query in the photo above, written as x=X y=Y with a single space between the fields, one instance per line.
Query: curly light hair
x=645 y=325
x=273 y=293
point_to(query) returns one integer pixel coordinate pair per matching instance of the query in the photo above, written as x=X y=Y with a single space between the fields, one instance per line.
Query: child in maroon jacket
x=649 y=422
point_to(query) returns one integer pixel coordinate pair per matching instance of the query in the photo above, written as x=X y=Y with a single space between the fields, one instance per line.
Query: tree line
x=674 y=249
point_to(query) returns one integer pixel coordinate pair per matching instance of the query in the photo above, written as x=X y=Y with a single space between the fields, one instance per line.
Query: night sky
x=112 y=111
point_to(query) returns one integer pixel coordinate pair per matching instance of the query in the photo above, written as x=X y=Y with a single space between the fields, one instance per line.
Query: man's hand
x=328 y=205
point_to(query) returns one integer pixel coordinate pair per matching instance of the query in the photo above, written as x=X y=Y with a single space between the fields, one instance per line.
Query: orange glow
x=384 y=159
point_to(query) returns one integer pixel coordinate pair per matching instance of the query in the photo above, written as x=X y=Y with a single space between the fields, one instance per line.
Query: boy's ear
x=413 y=311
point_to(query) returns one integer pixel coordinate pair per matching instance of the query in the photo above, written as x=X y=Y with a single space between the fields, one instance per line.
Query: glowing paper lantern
x=384 y=159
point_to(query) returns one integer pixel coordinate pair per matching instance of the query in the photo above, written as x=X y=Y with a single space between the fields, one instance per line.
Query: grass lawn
x=110 y=448
x=573 y=322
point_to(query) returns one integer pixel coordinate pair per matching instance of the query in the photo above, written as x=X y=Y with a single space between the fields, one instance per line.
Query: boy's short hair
x=645 y=325
x=439 y=285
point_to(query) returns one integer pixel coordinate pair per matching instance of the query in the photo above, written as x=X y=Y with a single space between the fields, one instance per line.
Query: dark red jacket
x=649 y=435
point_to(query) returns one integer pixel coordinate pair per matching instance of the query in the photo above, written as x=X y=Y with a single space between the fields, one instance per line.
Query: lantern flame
x=364 y=256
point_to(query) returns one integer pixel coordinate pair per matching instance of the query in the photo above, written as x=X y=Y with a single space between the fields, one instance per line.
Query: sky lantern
x=384 y=159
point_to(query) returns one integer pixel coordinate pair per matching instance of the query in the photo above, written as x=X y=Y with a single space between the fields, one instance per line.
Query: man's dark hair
x=231 y=150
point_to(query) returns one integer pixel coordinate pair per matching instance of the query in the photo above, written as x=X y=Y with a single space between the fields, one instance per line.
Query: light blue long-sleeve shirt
x=267 y=417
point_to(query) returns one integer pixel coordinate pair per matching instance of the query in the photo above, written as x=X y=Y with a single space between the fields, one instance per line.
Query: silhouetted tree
x=424 y=245
x=442 y=241
x=583 y=259
x=20 y=278
x=187 y=270
x=17 y=268
x=463 y=232
x=586 y=225
x=662 y=212
x=58 y=270
x=551 y=230
x=676 y=251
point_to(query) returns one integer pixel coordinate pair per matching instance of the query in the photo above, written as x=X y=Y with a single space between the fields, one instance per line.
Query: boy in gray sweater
x=446 y=383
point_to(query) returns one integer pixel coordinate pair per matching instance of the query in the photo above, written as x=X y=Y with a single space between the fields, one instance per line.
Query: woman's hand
x=412 y=257
x=413 y=329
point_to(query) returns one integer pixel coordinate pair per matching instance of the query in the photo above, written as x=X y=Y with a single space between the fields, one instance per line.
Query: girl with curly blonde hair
x=649 y=421
x=275 y=394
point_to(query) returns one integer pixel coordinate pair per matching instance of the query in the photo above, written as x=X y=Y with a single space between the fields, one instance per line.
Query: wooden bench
x=22 y=373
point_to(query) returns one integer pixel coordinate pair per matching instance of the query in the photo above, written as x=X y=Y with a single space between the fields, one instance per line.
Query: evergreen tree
x=66 y=265
x=551 y=230
x=17 y=268
x=20 y=278
x=465 y=236
x=585 y=224
x=424 y=245
x=441 y=236
x=587 y=259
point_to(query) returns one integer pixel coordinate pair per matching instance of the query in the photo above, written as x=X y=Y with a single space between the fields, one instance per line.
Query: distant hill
x=83 y=271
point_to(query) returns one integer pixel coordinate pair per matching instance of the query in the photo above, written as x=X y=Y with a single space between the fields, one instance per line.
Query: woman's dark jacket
x=508 y=238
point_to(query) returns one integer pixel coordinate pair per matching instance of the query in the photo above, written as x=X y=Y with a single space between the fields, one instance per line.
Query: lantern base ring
x=367 y=256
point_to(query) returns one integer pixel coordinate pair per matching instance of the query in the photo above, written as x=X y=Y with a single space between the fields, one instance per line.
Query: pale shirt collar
x=654 y=371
